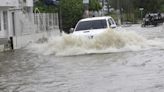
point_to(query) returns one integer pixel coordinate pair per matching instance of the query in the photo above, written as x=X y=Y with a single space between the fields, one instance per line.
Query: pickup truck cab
x=93 y=26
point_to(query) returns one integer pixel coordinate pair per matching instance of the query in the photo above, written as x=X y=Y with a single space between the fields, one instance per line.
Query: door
x=3 y=24
x=13 y=22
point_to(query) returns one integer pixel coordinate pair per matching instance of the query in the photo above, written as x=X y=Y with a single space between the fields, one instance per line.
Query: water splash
x=107 y=42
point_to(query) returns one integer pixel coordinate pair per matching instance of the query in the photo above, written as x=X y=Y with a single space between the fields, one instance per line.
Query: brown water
x=126 y=71
x=106 y=42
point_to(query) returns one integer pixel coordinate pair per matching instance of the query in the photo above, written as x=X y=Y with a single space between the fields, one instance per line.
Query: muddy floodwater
x=104 y=68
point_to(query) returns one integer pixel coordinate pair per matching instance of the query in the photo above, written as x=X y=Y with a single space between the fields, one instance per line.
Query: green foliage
x=113 y=15
x=94 y=5
x=72 y=11
x=130 y=8
x=45 y=8
x=162 y=8
x=130 y=5
x=149 y=5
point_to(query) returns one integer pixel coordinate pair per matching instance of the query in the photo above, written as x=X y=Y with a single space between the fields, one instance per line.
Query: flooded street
x=134 y=70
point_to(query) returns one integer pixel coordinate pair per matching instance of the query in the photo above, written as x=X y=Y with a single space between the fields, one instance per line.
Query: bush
x=71 y=11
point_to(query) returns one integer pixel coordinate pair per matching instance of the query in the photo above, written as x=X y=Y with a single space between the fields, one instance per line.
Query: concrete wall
x=27 y=3
x=24 y=40
x=9 y=3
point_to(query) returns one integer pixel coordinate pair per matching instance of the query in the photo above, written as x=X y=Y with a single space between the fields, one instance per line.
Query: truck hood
x=89 y=33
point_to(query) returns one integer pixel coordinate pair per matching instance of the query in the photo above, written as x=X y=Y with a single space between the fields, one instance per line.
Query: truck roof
x=95 y=18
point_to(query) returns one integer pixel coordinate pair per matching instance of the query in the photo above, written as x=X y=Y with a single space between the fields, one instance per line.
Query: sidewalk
x=3 y=42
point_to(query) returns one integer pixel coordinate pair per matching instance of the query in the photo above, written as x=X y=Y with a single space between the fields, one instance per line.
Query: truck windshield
x=93 y=24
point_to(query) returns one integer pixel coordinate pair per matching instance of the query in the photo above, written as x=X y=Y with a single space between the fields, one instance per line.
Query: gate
x=3 y=24
x=30 y=27
x=46 y=21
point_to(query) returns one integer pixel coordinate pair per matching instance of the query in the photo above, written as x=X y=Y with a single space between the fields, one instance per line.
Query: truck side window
x=109 y=22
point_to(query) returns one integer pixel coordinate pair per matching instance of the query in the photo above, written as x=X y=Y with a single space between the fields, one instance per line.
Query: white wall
x=26 y=3
x=29 y=3
x=8 y=3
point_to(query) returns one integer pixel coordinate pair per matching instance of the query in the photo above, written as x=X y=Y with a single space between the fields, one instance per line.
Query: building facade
x=20 y=26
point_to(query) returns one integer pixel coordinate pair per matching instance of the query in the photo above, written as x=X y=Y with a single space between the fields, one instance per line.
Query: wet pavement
x=129 y=71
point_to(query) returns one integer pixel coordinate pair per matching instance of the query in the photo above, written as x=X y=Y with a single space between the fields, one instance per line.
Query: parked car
x=92 y=26
x=152 y=19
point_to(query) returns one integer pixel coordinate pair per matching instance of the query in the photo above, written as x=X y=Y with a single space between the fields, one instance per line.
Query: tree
x=44 y=7
x=94 y=5
x=161 y=5
x=126 y=8
x=150 y=5
x=71 y=11
x=130 y=8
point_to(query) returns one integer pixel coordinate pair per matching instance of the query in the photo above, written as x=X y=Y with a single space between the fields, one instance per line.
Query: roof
x=95 y=18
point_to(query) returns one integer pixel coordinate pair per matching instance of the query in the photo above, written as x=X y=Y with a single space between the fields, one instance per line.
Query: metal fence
x=46 y=21
x=30 y=27
x=30 y=23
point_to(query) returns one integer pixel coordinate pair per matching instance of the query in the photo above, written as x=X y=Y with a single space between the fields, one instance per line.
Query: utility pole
x=57 y=3
x=103 y=7
x=108 y=5
x=118 y=12
x=141 y=10
x=60 y=19
x=86 y=7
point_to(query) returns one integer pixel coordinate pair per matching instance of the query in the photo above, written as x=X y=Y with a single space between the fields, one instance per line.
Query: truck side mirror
x=71 y=30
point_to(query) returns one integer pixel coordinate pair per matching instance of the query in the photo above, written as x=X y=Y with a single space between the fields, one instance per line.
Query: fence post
x=44 y=18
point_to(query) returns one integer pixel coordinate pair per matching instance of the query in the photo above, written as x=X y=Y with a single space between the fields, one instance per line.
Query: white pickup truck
x=92 y=26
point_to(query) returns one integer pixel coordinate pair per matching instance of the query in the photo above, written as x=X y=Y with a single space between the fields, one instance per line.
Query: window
x=93 y=24
x=111 y=21
x=0 y=22
x=5 y=20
